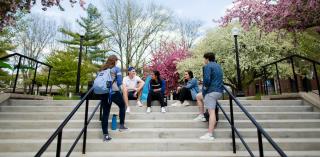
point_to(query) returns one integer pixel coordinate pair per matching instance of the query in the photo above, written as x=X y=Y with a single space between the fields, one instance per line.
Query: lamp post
x=235 y=33
x=79 y=65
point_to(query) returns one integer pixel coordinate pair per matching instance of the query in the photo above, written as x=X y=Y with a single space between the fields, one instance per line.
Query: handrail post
x=48 y=80
x=232 y=126
x=34 y=78
x=317 y=78
x=295 y=75
x=278 y=78
x=85 y=128
x=58 y=151
x=264 y=81
x=17 y=75
x=100 y=112
x=260 y=144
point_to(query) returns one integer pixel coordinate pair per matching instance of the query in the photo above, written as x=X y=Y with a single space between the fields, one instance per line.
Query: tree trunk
x=67 y=90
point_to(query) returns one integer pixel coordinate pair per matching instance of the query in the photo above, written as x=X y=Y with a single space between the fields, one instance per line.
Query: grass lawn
x=61 y=97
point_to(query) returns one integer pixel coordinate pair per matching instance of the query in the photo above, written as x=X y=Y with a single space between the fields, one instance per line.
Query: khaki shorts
x=210 y=100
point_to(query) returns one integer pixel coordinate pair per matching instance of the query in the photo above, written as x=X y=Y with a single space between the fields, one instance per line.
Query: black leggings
x=184 y=94
x=117 y=99
x=155 y=96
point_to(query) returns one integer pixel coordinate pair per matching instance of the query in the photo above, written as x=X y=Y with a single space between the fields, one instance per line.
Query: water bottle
x=114 y=122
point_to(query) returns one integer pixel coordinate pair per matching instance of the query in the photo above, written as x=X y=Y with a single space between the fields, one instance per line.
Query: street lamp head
x=235 y=31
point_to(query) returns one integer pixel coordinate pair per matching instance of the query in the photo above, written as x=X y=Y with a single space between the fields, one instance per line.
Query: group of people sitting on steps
x=132 y=87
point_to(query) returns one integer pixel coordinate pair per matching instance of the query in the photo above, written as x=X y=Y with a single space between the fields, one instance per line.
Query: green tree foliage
x=255 y=49
x=309 y=43
x=64 y=72
x=93 y=36
x=6 y=44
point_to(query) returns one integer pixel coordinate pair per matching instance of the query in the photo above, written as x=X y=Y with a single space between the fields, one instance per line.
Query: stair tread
x=170 y=140
x=168 y=129
x=168 y=153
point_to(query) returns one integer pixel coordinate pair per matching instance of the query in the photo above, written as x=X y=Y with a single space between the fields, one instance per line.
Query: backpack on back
x=103 y=82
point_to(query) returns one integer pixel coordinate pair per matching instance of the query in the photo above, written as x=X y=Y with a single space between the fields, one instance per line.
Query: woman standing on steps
x=116 y=97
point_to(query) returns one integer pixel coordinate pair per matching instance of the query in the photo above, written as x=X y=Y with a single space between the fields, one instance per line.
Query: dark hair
x=210 y=56
x=190 y=73
x=110 y=63
x=157 y=73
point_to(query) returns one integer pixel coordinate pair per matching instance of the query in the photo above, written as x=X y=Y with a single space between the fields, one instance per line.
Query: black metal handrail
x=83 y=131
x=291 y=58
x=35 y=71
x=261 y=132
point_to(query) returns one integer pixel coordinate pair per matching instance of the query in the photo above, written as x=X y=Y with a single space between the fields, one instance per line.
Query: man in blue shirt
x=212 y=90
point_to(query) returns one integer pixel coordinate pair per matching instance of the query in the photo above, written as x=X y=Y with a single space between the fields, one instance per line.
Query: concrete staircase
x=26 y=124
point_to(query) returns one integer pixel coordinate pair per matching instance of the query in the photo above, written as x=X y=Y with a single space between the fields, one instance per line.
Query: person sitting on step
x=132 y=87
x=188 y=91
x=156 y=91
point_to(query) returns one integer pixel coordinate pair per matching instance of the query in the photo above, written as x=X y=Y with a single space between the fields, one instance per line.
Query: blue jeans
x=117 y=99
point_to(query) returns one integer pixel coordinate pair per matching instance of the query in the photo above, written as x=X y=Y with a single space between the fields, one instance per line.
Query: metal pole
x=48 y=80
x=79 y=66
x=85 y=128
x=34 y=78
x=260 y=144
x=100 y=112
x=295 y=75
x=239 y=84
x=232 y=126
x=278 y=79
x=58 y=151
x=17 y=75
x=317 y=78
x=264 y=81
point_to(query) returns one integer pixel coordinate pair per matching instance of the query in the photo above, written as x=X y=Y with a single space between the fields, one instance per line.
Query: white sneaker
x=185 y=103
x=139 y=103
x=178 y=103
x=200 y=117
x=128 y=110
x=163 y=110
x=148 y=109
x=207 y=136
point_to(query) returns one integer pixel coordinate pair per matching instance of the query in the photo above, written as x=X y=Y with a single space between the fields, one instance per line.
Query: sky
x=203 y=10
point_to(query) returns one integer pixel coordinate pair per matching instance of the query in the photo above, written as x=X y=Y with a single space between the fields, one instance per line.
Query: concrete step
x=19 y=102
x=169 y=154
x=156 y=115
x=163 y=133
x=155 y=109
x=219 y=144
x=47 y=124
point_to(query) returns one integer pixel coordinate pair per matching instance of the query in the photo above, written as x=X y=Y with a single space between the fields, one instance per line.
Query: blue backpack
x=103 y=82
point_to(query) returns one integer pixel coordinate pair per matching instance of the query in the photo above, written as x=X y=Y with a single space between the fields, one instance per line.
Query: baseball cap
x=131 y=68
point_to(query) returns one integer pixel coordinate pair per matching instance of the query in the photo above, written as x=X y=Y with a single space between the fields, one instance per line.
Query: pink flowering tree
x=271 y=15
x=9 y=8
x=165 y=60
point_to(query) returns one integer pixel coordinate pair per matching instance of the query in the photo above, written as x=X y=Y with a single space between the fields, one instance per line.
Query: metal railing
x=260 y=131
x=59 y=131
x=35 y=71
x=291 y=58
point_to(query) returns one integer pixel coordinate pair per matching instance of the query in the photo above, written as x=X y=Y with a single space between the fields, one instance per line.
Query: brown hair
x=110 y=63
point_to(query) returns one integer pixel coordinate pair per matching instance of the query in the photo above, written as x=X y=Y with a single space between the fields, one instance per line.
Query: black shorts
x=131 y=95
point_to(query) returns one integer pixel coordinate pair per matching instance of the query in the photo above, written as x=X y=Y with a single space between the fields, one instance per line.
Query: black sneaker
x=106 y=138
x=123 y=128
